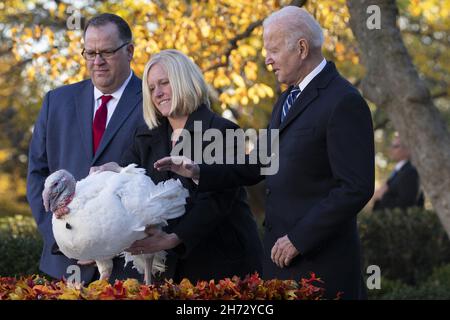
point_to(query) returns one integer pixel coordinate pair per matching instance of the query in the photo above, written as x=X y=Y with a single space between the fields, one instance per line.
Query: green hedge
x=406 y=245
x=436 y=287
x=20 y=246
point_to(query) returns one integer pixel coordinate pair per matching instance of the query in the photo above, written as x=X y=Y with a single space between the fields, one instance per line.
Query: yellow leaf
x=70 y=294
x=339 y=48
x=237 y=79
x=250 y=70
x=37 y=32
x=192 y=37
x=267 y=89
x=205 y=30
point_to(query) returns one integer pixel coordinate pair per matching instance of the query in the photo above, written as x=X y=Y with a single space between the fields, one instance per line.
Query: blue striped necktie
x=293 y=95
x=392 y=175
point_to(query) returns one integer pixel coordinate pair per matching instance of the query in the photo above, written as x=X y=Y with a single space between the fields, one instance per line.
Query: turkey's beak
x=46 y=199
x=51 y=196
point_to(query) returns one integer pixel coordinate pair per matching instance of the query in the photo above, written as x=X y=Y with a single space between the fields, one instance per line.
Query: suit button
x=267 y=191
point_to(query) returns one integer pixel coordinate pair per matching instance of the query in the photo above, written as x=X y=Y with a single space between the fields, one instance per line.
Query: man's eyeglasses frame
x=103 y=54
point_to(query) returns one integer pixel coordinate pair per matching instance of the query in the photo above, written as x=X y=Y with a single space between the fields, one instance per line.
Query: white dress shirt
x=112 y=104
x=312 y=75
x=399 y=165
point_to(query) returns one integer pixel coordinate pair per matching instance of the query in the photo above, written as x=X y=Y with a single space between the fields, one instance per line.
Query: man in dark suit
x=402 y=189
x=85 y=124
x=326 y=162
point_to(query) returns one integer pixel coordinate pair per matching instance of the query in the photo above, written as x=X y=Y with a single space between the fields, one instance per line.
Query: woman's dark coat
x=218 y=230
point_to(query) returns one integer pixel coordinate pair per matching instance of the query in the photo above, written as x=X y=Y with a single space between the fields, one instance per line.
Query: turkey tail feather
x=133 y=169
x=171 y=196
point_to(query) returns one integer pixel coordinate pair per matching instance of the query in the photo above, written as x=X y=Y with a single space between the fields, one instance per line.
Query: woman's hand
x=157 y=240
x=180 y=165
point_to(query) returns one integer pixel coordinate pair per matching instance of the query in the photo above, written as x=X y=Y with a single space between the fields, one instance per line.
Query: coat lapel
x=308 y=95
x=302 y=102
x=130 y=99
x=160 y=148
x=84 y=102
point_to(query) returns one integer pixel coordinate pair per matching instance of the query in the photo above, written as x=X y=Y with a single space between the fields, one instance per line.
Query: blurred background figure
x=402 y=188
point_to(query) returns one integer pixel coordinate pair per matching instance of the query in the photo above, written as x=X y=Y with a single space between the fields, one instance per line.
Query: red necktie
x=99 y=125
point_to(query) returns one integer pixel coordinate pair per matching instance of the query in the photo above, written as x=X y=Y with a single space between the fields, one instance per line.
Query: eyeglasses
x=90 y=55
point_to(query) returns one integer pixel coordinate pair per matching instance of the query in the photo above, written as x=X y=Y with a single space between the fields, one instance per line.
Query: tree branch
x=440 y=94
x=15 y=68
x=5 y=51
x=233 y=42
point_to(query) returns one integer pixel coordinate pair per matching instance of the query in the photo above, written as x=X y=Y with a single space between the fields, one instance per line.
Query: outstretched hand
x=180 y=165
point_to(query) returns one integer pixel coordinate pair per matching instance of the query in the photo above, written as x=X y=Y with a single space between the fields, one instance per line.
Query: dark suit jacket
x=403 y=190
x=218 y=230
x=62 y=139
x=325 y=177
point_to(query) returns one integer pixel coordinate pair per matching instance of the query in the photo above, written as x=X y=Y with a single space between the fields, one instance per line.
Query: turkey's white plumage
x=110 y=210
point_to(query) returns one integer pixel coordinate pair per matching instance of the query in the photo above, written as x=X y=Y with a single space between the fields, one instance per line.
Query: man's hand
x=157 y=240
x=110 y=166
x=283 y=252
x=180 y=165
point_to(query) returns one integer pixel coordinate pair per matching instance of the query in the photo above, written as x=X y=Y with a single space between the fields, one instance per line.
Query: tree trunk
x=393 y=83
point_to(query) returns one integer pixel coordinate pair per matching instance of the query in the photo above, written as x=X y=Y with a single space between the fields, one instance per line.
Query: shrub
x=406 y=245
x=11 y=208
x=436 y=287
x=20 y=246
x=391 y=290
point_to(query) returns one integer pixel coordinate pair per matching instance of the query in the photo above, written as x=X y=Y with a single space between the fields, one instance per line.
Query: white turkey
x=108 y=212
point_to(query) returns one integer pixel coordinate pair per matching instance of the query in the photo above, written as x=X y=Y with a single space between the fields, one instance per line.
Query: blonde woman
x=217 y=237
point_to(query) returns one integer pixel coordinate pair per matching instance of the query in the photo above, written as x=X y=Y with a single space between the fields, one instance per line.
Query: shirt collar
x=400 y=164
x=312 y=74
x=116 y=94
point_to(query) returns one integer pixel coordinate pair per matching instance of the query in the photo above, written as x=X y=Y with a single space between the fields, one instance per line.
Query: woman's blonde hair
x=189 y=89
